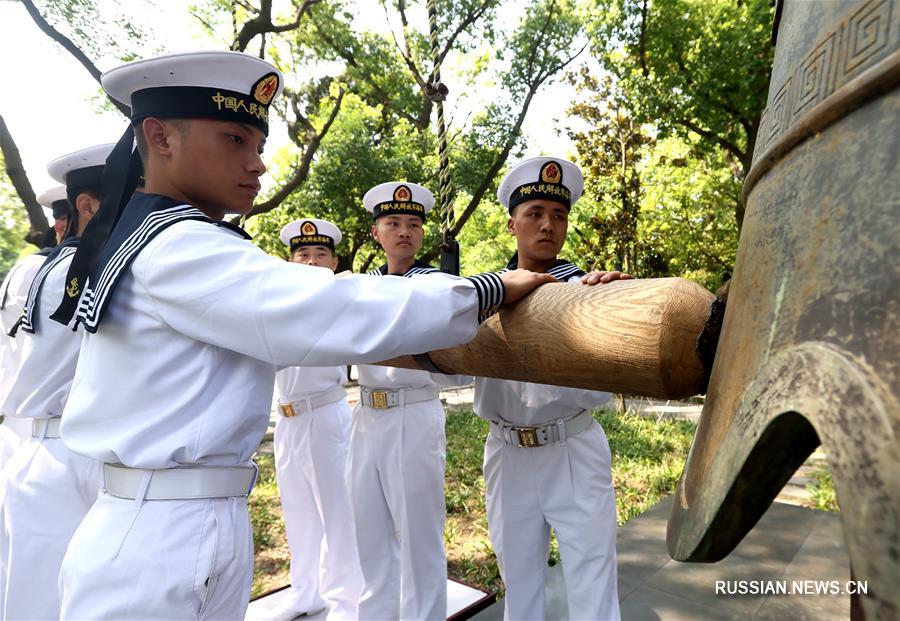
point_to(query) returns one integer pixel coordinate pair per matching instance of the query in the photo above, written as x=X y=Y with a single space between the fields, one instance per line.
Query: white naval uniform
x=396 y=470
x=566 y=486
x=47 y=489
x=311 y=468
x=13 y=293
x=181 y=372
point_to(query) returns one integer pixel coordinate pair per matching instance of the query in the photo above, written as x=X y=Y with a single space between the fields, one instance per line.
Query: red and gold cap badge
x=308 y=228
x=402 y=194
x=551 y=172
x=265 y=88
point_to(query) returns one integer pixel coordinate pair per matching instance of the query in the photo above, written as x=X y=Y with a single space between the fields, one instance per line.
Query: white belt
x=45 y=427
x=384 y=398
x=313 y=402
x=534 y=436
x=182 y=483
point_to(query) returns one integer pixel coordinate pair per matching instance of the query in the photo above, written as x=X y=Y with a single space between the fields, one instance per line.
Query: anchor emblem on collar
x=72 y=290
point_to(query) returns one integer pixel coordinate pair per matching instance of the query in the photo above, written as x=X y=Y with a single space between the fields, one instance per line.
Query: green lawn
x=648 y=457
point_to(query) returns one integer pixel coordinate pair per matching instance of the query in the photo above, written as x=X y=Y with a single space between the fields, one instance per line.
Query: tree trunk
x=16 y=172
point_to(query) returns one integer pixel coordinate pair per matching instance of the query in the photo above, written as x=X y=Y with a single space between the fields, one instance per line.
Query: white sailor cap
x=398 y=198
x=231 y=86
x=80 y=170
x=55 y=200
x=310 y=232
x=550 y=178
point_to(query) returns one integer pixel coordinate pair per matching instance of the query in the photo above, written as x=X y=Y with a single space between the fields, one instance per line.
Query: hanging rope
x=437 y=92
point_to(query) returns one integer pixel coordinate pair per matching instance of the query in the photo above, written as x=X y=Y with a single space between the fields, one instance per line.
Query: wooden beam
x=637 y=337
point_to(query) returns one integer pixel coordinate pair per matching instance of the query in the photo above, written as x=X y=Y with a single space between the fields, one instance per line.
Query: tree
x=392 y=73
x=692 y=68
x=655 y=207
x=12 y=224
x=81 y=18
x=610 y=151
x=14 y=171
x=361 y=151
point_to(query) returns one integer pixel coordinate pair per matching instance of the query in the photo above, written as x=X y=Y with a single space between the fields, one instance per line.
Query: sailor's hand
x=601 y=278
x=519 y=283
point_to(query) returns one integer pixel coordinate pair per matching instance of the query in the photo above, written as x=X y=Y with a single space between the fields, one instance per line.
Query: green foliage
x=106 y=32
x=610 y=151
x=358 y=153
x=706 y=62
x=265 y=506
x=696 y=70
x=821 y=490
x=13 y=224
x=652 y=206
x=687 y=217
x=485 y=244
x=648 y=456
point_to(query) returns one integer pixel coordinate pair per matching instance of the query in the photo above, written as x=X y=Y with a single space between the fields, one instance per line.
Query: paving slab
x=789 y=545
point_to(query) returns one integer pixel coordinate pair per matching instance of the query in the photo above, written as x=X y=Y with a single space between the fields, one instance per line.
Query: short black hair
x=138 y=127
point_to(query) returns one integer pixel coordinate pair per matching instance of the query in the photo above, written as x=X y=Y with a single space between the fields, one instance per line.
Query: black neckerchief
x=419 y=267
x=145 y=217
x=561 y=270
x=28 y=321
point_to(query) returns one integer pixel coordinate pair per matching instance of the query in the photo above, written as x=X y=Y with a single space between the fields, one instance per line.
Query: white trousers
x=47 y=490
x=311 y=468
x=567 y=487
x=159 y=559
x=13 y=432
x=396 y=469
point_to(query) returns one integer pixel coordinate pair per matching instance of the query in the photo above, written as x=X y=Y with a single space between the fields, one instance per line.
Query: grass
x=648 y=457
x=821 y=490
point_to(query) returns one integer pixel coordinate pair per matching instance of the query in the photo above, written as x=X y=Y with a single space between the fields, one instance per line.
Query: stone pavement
x=799 y=548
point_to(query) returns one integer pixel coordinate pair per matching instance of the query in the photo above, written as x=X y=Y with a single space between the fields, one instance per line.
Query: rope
x=437 y=92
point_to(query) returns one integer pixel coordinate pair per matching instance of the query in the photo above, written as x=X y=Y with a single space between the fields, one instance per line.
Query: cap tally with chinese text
x=230 y=86
x=226 y=86
x=310 y=232
x=398 y=198
x=549 y=178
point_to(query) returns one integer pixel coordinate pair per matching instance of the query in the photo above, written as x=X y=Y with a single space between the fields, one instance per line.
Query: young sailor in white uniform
x=547 y=461
x=47 y=489
x=187 y=322
x=397 y=445
x=311 y=440
x=13 y=293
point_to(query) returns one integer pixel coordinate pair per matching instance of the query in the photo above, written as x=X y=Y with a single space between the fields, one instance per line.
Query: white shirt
x=297 y=383
x=16 y=284
x=182 y=369
x=375 y=376
x=42 y=384
x=528 y=404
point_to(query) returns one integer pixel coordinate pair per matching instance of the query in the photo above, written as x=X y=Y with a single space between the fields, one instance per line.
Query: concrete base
x=798 y=549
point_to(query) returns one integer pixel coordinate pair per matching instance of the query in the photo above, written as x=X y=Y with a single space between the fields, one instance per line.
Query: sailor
x=397 y=443
x=47 y=489
x=187 y=322
x=13 y=293
x=547 y=461
x=311 y=438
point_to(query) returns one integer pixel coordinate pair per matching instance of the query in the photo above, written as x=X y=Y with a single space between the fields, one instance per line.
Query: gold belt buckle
x=527 y=436
x=379 y=399
x=287 y=410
